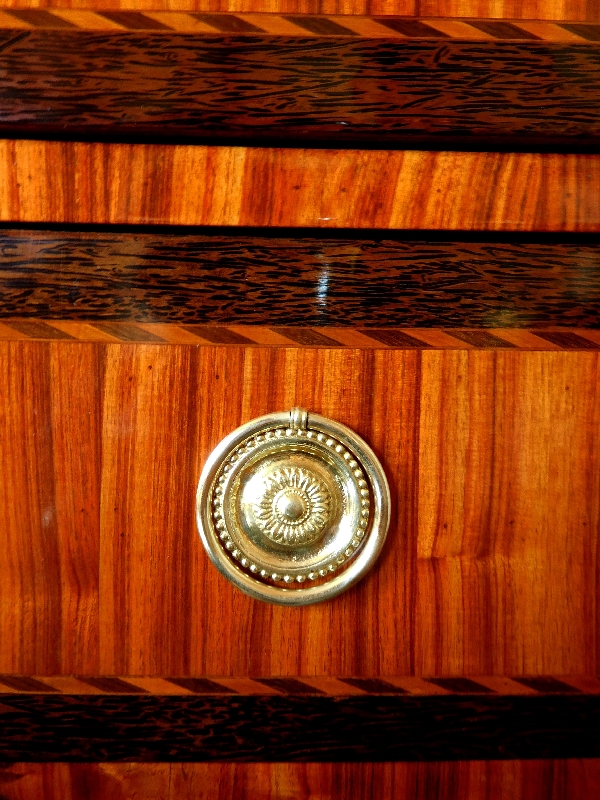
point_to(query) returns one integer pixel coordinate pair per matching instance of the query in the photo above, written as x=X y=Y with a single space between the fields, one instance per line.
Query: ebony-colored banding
x=261 y=278
x=347 y=90
x=298 y=727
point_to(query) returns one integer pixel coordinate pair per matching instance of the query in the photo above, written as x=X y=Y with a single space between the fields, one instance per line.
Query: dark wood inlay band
x=38 y=18
x=339 y=90
x=307 y=727
x=227 y=23
x=413 y=28
x=133 y=20
x=201 y=686
x=502 y=30
x=126 y=332
x=112 y=685
x=366 y=281
x=23 y=683
x=585 y=30
x=289 y=686
x=547 y=685
x=461 y=685
x=568 y=340
x=36 y=329
x=308 y=336
x=217 y=335
x=373 y=685
x=481 y=339
x=394 y=338
x=321 y=25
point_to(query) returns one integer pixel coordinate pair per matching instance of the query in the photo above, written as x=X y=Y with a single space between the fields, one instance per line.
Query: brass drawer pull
x=293 y=508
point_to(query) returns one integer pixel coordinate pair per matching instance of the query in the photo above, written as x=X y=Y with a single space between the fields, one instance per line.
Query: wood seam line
x=301 y=24
x=324 y=686
x=242 y=336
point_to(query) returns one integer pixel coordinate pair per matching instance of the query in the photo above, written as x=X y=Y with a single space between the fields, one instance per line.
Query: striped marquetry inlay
x=327 y=686
x=279 y=336
x=302 y=25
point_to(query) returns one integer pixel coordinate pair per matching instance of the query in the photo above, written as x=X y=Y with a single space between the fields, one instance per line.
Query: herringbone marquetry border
x=277 y=336
x=302 y=25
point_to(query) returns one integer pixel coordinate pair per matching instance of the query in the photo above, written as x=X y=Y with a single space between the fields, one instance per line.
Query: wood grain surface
x=200 y=185
x=262 y=278
x=572 y=779
x=346 y=90
x=532 y=9
x=301 y=727
x=490 y=566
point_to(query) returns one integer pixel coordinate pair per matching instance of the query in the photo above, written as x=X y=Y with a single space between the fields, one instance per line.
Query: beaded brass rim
x=293 y=508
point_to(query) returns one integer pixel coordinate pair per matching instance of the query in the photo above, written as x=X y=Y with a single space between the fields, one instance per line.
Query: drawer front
x=493 y=460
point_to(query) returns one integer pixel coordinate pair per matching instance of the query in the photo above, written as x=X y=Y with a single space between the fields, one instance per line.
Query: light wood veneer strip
x=210 y=185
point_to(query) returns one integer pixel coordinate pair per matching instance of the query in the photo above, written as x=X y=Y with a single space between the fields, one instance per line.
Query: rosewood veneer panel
x=50 y=472
x=490 y=566
x=564 y=779
x=345 y=90
x=56 y=182
x=262 y=279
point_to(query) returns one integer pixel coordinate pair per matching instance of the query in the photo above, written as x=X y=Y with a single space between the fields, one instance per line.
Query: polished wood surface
x=514 y=91
x=494 y=461
x=574 y=779
x=313 y=26
x=265 y=278
x=294 y=719
x=152 y=184
x=33 y=329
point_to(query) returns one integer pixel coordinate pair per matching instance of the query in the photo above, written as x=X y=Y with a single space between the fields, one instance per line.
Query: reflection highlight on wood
x=490 y=565
x=201 y=185
x=265 y=278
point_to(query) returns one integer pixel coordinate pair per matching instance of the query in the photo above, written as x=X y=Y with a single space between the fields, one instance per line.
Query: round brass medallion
x=293 y=508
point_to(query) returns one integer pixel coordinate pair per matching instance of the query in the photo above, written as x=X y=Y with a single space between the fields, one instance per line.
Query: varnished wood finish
x=301 y=336
x=298 y=727
x=388 y=27
x=490 y=566
x=185 y=184
x=572 y=779
x=50 y=505
x=533 y=9
x=328 y=686
x=263 y=279
x=346 y=90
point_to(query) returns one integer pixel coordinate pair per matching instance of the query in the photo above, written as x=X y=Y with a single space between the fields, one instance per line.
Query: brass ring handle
x=293 y=508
